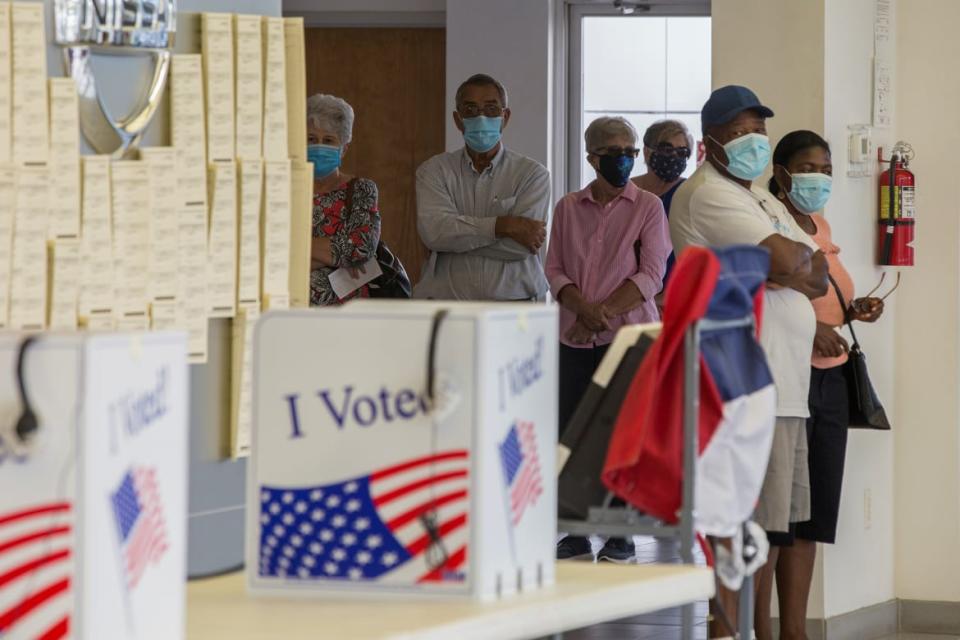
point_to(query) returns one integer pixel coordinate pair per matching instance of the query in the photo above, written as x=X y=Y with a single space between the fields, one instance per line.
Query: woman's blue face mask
x=809 y=192
x=325 y=158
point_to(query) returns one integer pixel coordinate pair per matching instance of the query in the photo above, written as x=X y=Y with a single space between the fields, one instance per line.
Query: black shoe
x=574 y=548
x=618 y=550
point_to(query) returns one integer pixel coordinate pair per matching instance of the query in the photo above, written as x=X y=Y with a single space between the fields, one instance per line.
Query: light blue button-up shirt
x=457 y=211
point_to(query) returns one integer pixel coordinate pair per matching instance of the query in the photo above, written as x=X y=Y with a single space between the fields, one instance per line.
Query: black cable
x=436 y=553
x=887 y=251
x=438 y=318
x=216 y=574
x=27 y=423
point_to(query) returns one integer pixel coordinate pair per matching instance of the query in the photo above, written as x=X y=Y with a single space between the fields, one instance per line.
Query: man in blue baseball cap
x=719 y=206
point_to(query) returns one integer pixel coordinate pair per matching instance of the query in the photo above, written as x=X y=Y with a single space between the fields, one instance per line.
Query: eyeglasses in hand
x=880 y=284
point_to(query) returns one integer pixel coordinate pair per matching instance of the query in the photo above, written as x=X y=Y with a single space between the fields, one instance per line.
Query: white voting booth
x=360 y=483
x=93 y=508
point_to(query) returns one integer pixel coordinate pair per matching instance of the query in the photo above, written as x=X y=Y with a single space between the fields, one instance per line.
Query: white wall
x=928 y=419
x=511 y=41
x=753 y=52
x=859 y=569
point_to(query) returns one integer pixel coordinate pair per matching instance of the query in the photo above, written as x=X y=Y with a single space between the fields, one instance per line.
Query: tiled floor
x=919 y=636
x=661 y=625
x=665 y=625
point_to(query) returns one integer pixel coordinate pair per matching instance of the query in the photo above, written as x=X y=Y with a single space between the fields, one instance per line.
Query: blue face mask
x=325 y=159
x=482 y=133
x=747 y=156
x=809 y=191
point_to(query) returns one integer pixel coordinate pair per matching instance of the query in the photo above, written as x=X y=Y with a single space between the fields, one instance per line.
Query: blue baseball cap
x=727 y=102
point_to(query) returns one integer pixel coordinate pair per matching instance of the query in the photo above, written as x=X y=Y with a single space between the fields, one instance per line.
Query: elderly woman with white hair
x=346 y=216
x=608 y=251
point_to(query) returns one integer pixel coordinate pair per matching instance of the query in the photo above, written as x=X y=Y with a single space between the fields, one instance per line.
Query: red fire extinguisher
x=897 y=208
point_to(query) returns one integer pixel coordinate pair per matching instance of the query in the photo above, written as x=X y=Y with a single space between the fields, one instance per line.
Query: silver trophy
x=115 y=27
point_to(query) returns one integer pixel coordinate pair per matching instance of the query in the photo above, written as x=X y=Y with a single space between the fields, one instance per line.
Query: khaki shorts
x=785 y=496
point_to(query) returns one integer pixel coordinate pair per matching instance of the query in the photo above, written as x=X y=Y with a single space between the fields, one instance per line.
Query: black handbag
x=394 y=281
x=866 y=411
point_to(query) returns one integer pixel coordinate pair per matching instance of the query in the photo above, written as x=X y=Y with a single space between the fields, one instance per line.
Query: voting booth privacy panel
x=92 y=511
x=360 y=482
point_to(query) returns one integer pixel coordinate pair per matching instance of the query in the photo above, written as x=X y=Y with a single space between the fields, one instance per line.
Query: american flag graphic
x=521 y=468
x=35 y=571
x=141 y=529
x=402 y=524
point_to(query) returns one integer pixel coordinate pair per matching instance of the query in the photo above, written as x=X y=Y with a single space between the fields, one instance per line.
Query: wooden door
x=394 y=80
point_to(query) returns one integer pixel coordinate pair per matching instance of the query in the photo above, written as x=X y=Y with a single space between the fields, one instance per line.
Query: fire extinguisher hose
x=887 y=250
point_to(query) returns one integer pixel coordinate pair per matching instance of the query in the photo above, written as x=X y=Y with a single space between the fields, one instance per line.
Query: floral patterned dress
x=353 y=234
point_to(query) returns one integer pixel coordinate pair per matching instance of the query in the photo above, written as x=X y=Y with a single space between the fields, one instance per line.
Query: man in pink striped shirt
x=605 y=263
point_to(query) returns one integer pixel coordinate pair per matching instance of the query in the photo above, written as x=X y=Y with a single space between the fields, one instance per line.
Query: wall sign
x=115 y=27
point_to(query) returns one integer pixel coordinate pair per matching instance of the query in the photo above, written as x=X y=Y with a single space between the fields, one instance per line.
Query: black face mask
x=667 y=168
x=616 y=169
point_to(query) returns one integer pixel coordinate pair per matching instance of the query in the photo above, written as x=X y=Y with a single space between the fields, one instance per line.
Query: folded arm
x=794 y=265
x=520 y=235
x=441 y=226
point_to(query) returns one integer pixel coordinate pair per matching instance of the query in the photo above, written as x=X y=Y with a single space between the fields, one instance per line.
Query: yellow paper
x=241 y=414
x=275 y=91
x=251 y=205
x=96 y=245
x=130 y=190
x=276 y=231
x=28 y=284
x=192 y=295
x=301 y=232
x=133 y=323
x=217 y=44
x=163 y=315
x=249 y=86
x=222 y=248
x=276 y=301
x=187 y=127
x=6 y=86
x=64 y=159
x=164 y=205
x=7 y=195
x=295 y=62
x=30 y=134
x=99 y=322
x=64 y=269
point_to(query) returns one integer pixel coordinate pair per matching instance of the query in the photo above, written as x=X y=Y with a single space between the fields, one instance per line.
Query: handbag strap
x=846 y=315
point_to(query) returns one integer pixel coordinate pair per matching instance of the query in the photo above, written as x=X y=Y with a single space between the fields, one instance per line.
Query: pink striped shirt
x=597 y=248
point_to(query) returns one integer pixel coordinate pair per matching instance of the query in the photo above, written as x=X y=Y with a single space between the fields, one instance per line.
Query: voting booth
x=404 y=449
x=93 y=506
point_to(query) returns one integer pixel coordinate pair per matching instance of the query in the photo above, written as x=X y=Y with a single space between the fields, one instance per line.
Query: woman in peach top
x=802 y=180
